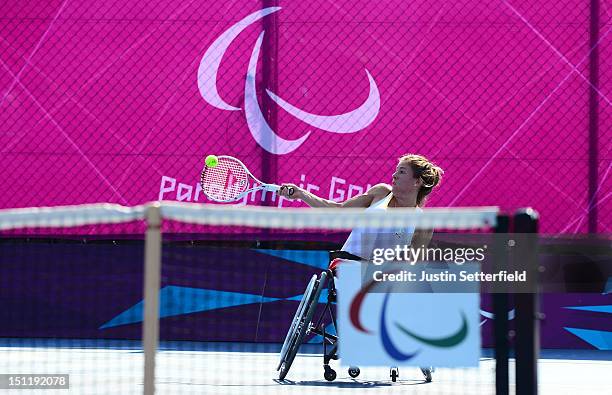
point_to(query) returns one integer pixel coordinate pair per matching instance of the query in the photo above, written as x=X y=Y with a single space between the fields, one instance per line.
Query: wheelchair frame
x=303 y=325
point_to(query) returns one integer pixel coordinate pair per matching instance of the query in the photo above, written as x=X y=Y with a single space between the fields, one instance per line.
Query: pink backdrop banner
x=120 y=101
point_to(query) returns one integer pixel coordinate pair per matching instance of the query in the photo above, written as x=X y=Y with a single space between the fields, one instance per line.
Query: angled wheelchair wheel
x=296 y=319
x=301 y=324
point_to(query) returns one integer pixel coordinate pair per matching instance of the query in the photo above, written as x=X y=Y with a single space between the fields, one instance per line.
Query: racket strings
x=226 y=181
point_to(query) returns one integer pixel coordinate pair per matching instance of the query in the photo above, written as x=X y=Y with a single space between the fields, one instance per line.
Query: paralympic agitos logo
x=389 y=345
x=350 y=122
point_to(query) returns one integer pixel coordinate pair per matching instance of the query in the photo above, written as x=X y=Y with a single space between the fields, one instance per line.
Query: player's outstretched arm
x=364 y=200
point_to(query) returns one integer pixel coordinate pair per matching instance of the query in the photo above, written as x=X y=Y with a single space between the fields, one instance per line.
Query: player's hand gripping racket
x=228 y=180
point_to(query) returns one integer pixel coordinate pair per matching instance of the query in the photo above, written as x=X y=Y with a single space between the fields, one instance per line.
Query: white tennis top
x=362 y=241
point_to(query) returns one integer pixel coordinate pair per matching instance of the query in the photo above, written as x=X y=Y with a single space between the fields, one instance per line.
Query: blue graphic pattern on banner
x=322 y=297
x=184 y=300
x=602 y=340
x=318 y=259
x=597 y=309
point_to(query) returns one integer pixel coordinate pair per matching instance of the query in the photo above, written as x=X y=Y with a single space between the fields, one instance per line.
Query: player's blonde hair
x=427 y=171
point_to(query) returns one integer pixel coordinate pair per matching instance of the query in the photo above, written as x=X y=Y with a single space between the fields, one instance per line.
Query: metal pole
x=593 y=117
x=500 y=310
x=152 y=271
x=269 y=80
x=527 y=315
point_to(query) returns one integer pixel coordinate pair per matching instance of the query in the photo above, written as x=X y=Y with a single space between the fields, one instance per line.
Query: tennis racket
x=230 y=180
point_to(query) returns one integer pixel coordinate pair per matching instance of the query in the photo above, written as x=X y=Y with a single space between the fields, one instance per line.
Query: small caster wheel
x=354 y=371
x=394 y=374
x=330 y=374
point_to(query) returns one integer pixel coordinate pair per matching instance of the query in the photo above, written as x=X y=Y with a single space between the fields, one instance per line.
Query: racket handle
x=276 y=188
x=271 y=187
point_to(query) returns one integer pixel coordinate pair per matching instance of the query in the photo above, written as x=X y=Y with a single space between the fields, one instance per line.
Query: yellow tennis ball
x=211 y=161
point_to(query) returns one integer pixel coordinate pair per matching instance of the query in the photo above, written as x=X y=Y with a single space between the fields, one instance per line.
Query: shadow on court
x=352 y=383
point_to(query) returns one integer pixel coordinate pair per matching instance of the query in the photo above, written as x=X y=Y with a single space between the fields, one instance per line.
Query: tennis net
x=187 y=298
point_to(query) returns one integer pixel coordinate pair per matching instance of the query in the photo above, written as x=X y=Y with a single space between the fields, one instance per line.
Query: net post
x=500 y=311
x=152 y=270
x=527 y=320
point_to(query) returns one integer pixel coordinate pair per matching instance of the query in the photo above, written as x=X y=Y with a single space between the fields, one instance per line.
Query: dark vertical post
x=527 y=316
x=593 y=116
x=269 y=81
x=500 y=309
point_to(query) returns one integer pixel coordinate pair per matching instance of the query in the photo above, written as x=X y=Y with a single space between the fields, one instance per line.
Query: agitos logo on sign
x=390 y=347
x=350 y=122
x=404 y=328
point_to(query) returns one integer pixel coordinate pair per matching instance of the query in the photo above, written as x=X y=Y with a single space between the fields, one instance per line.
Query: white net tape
x=264 y=217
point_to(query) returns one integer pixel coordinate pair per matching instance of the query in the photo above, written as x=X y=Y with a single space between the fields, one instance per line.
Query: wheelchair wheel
x=296 y=319
x=301 y=324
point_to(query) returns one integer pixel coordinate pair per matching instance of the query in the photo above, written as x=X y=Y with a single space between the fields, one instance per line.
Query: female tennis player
x=413 y=180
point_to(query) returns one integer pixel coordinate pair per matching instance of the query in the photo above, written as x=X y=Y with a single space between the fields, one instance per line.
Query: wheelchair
x=304 y=323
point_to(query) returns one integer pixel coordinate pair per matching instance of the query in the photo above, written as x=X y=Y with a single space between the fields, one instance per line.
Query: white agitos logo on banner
x=350 y=122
